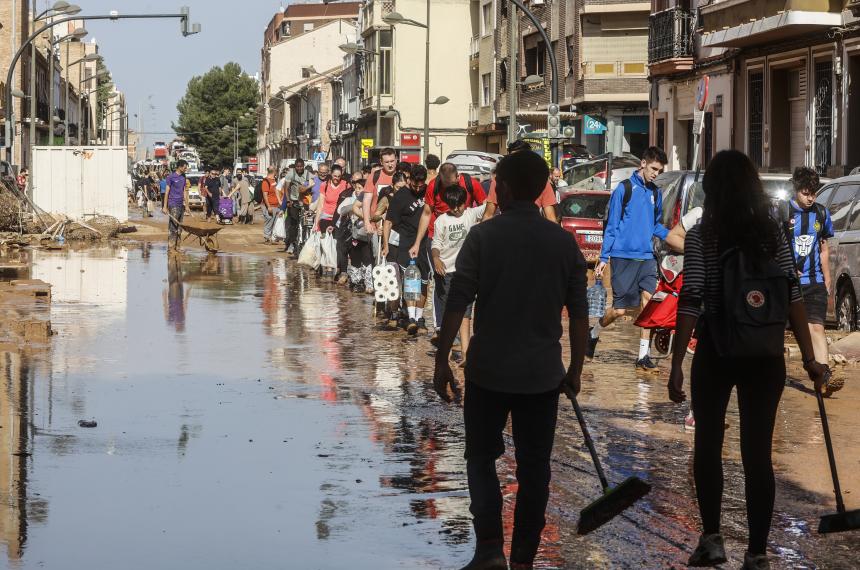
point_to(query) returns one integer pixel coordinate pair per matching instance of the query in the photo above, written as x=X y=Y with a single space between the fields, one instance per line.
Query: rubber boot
x=489 y=555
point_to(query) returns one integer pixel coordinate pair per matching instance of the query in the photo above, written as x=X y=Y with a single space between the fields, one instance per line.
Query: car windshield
x=582 y=173
x=778 y=188
x=591 y=206
x=194 y=180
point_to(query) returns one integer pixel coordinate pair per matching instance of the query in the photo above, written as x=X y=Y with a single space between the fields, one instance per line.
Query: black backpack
x=467 y=180
x=628 y=195
x=755 y=302
x=258 y=191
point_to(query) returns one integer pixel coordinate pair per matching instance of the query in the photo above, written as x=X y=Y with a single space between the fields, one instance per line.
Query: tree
x=213 y=101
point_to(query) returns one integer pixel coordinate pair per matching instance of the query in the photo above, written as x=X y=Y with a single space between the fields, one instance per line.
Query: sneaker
x=422 y=326
x=645 y=364
x=710 y=551
x=691 y=346
x=690 y=421
x=592 y=344
x=755 y=562
x=412 y=328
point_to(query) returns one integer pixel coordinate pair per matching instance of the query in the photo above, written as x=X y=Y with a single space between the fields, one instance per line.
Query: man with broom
x=524 y=270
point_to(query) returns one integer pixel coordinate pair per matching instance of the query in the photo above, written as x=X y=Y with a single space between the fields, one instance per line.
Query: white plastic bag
x=310 y=254
x=328 y=251
x=280 y=229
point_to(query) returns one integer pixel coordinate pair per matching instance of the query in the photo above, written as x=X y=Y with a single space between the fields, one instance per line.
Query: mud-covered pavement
x=250 y=417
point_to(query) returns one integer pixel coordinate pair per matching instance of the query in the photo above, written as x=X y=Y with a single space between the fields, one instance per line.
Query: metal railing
x=670 y=35
x=475 y=46
x=473 y=114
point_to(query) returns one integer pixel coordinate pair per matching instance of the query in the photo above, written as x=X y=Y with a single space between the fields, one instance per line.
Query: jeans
x=269 y=216
x=294 y=218
x=533 y=420
x=177 y=213
x=760 y=383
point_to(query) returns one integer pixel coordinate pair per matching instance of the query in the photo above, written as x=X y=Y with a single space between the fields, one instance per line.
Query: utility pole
x=513 y=70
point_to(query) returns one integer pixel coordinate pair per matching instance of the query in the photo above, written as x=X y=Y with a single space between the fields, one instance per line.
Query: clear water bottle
x=412 y=282
x=596 y=295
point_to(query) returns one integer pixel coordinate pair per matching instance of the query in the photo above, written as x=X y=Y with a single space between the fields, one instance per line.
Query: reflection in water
x=175 y=296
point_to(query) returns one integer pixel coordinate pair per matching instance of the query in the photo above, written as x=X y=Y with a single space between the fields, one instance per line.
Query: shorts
x=629 y=278
x=443 y=287
x=815 y=300
x=422 y=261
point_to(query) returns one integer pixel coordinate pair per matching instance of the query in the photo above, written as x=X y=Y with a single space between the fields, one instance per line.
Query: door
x=797 y=98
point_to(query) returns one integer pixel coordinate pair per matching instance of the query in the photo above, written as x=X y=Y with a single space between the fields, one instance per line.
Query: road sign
x=702 y=93
x=319 y=156
x=366 y=145
x=593 y=125
x=410 y=139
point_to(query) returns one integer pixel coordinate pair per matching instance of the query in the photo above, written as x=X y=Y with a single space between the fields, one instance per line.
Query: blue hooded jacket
x=630 y=238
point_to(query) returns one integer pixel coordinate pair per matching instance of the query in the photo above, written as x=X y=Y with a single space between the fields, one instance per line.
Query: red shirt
x=438 y=205
x=270 y=193
x=369 y=186
x=546 y=198
x=330 y=193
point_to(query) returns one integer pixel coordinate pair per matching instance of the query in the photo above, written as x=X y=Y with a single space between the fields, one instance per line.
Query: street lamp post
x=396 y=18
x=183 y=16
x=353 y=48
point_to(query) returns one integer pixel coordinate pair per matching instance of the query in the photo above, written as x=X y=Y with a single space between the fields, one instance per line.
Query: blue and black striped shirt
x=807 y=231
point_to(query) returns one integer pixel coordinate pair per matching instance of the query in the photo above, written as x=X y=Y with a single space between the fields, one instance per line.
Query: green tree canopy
x=217 y=99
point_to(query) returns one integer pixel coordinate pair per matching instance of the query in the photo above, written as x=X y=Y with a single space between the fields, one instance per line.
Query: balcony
x=474 y=47
x=744 y=23
x=670 y=42
x=473 y=114
x=374 y=11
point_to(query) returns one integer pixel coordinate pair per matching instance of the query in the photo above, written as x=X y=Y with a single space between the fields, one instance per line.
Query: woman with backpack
x=739 y=268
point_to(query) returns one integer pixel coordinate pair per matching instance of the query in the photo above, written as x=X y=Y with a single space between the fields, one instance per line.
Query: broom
x=841 y=520
x=614 y=500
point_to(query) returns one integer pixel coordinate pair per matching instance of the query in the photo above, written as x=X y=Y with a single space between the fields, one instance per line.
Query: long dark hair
x=737 y=211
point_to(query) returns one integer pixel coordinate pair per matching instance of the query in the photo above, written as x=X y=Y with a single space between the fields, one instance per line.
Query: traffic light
x=568 y=132
x=553 y=122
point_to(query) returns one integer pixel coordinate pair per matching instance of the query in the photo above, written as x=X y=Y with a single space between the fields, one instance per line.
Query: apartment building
x=599 y=47
x=780 y=81
x=302 y=36
x=14 y=29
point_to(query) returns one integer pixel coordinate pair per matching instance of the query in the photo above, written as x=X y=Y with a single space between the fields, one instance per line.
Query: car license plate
x=593 y=239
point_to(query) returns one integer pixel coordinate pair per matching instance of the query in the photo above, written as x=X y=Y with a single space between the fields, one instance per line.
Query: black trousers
x=760 y=383
x=343 y=237
x=533 y=420
x=292 y=221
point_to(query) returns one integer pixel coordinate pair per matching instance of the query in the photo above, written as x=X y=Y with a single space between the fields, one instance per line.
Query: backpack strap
x=376 y=176
x=820 y=214
x=628 y=195
x=470 y=195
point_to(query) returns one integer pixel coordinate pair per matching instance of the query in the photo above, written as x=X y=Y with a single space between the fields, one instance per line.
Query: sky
x=151 y=62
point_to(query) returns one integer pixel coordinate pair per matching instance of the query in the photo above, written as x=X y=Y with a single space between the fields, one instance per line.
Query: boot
x=489 y=555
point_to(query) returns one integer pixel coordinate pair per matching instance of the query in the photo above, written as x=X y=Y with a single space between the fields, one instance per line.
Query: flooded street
x=249 y=416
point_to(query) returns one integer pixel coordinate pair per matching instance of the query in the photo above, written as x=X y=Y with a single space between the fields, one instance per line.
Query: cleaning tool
x=614 y=500
x=841 y=520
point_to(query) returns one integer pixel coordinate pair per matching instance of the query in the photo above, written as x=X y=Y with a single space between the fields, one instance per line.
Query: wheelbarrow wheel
x=211 y=244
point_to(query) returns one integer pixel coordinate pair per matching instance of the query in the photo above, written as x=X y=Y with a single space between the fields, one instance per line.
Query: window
x=486 y=90
x=308 y=27
x=534 y=55
x=486 y=19
x=824 y=196
x=841 y=204
x=570 y=55
x=385 y=61
x=503 y=76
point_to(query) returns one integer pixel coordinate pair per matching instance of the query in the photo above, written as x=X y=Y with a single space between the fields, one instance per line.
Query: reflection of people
x=514 y=365
x=176 y=201
x=175 y=297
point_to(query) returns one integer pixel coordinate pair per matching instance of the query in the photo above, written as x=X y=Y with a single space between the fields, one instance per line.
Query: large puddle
x=250 y=417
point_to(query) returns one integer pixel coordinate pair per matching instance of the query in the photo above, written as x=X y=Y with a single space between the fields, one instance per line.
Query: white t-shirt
x=450 y=232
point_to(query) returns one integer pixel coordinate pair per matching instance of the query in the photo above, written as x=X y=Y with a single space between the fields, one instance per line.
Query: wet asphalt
x=249 y=416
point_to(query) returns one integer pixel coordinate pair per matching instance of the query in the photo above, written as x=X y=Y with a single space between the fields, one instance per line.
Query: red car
x=582 y=213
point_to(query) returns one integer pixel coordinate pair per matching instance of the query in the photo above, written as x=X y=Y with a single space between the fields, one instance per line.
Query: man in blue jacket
x=635 y=209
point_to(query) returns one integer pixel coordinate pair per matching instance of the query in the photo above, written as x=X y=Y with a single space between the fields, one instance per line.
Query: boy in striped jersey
x=808 y=226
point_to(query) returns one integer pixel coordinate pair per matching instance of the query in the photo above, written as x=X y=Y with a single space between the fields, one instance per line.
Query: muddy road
x=249 y=416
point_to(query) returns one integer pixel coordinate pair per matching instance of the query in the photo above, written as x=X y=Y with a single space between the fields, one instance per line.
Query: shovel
x=614 y=500
x=841 y=520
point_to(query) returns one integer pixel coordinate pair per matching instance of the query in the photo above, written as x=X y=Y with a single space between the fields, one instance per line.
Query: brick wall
x=18 y=20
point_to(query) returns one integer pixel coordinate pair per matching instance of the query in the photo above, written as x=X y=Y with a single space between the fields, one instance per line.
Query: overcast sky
x=150 y=60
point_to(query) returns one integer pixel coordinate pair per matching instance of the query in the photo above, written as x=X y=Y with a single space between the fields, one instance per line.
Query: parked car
x=474 y=162
x=602 y=173
x=841 y=197
x=573 y=154
x=582 y=214
x=779 y=186
x=195 y=198
x=681 y=193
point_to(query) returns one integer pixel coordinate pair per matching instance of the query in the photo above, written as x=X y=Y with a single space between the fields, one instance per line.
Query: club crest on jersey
x=755 y=299
x=817 y=226
x=803 y=245
x=792 y=221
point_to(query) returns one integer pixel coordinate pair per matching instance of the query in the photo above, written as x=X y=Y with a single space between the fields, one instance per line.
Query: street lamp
x=65 y=9
x=353 y=48
x=396 y=18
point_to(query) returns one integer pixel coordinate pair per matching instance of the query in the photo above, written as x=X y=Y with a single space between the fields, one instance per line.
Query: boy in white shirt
x=450 y=231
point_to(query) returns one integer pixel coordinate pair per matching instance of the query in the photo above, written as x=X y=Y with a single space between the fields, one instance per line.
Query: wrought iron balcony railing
x=670 y=35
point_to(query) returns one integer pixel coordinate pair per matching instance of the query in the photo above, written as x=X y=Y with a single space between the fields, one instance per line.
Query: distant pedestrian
x=294 y=186
x=545 y=201
x=212 y=185
x=514 y=365
x=23 y=180
x=244 y=195
x=431 y=163
x=741 y=344
x=270 y=205
x=176 y=202
x=635 y=211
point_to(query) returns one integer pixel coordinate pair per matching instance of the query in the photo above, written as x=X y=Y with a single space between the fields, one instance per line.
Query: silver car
x=474 y=162
x=840 y=197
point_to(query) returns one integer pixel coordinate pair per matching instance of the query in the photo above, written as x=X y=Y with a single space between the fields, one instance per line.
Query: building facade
x=780 y=76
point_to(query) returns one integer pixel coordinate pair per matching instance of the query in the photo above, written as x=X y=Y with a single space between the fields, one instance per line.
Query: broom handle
x=590 y=444
x=840 y=505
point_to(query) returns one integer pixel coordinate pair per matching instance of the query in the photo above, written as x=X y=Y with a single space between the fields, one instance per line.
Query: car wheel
x=846 y=309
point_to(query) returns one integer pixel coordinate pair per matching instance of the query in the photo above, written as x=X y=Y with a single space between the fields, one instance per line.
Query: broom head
x=839 y=522
x=611 y=504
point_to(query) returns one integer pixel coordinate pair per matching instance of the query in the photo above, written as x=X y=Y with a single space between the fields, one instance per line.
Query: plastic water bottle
x=412 y=282
x=596 y=295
